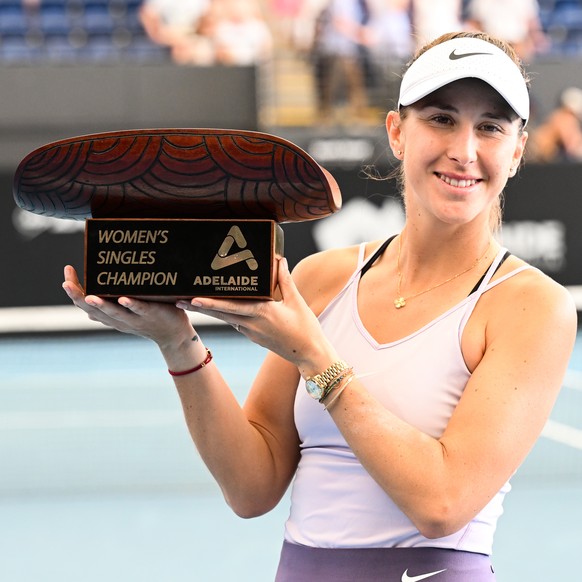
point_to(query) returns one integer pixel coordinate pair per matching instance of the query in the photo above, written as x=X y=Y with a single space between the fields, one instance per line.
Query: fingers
x=133 y=305
x=248 y=316
x=105 y=312
x=234 y=313
x=73 y=288
x=126 y=311
x=225 y=309
x=284 y=279
x=96 y=308
x=240 y=312
x=71 y=284
x=161 y=322
x=71 y=275
x=76 y=293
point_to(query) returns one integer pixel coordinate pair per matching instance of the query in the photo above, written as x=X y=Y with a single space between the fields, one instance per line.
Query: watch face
x=314 y=390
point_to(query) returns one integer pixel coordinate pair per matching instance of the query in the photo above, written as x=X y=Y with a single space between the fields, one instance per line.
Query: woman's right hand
x=163 y=323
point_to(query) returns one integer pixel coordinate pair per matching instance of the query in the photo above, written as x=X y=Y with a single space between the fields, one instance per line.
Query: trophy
x=178 y=213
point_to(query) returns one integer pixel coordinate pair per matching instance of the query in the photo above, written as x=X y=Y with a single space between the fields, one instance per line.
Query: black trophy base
x=169 y=259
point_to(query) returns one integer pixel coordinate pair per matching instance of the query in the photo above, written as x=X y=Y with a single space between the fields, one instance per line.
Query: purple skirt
x=306 y=564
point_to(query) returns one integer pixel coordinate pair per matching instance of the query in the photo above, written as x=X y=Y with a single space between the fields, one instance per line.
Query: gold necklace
x=400 y=301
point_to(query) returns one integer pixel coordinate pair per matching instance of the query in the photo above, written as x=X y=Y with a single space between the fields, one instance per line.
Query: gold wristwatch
x=317 y=385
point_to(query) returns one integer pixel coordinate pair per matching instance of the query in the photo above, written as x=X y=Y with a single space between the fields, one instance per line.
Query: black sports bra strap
x=376 y=256
x=505 y=256
x=380 y=250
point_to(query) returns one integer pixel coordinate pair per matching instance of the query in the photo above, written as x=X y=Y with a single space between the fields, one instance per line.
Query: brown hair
x=496 y=209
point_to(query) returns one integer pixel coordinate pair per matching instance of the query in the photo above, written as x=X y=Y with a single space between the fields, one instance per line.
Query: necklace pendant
x=400 y=302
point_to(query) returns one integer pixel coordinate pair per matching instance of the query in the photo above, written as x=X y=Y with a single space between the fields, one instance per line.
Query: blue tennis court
x=100 y=481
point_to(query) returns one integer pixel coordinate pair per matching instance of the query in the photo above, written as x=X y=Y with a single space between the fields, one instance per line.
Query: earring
x=399 y=152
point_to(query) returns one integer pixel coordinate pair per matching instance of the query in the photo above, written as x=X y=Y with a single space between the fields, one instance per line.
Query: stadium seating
x=110 y=30
x=562 y=22
x=74 y=30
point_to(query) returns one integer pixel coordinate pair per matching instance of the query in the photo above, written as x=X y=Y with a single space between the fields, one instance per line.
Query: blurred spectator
x=515 y=21
x=240 y=33
x=431 y=18
x=206 y=32
x=171 y=22
x=198 y=48
x=306 y=26
x=559 y=137
x=392 y=28
x=286 y=19
x=341 y=41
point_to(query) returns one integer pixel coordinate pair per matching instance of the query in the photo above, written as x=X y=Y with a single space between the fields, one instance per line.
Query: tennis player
x=406 y=379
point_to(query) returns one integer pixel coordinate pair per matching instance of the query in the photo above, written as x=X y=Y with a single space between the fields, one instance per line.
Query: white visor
x=462 y=58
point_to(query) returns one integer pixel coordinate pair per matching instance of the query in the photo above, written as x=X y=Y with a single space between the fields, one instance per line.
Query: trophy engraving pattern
x=175 y=173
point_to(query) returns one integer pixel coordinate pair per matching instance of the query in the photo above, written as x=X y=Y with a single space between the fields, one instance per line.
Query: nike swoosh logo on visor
x=407 y=578
x=454 y=56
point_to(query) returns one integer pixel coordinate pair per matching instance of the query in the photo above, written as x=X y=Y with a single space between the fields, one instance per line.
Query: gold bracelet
x=339 y=392
x=335 y=382
x=317 y=385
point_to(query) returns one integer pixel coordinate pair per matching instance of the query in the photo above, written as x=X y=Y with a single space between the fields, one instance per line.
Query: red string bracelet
x=207 y=361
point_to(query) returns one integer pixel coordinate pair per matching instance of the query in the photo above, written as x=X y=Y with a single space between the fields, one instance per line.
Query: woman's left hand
x=160 y=322
x=287 y=327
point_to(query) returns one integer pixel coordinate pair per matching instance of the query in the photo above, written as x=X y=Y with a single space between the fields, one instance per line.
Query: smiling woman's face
x=460 y=145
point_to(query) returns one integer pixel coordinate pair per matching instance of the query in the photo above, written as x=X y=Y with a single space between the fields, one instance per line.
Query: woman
x=431 y=360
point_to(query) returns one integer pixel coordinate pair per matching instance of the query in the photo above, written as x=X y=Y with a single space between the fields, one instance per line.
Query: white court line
x=61 y=318
x=564 y=434
x=69 y=318
x=80 y=419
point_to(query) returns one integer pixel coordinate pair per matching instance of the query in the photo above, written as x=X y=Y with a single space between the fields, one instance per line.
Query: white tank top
x=420 y=378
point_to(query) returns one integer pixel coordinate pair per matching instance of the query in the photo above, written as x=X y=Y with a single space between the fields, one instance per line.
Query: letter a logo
x=223 y=259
